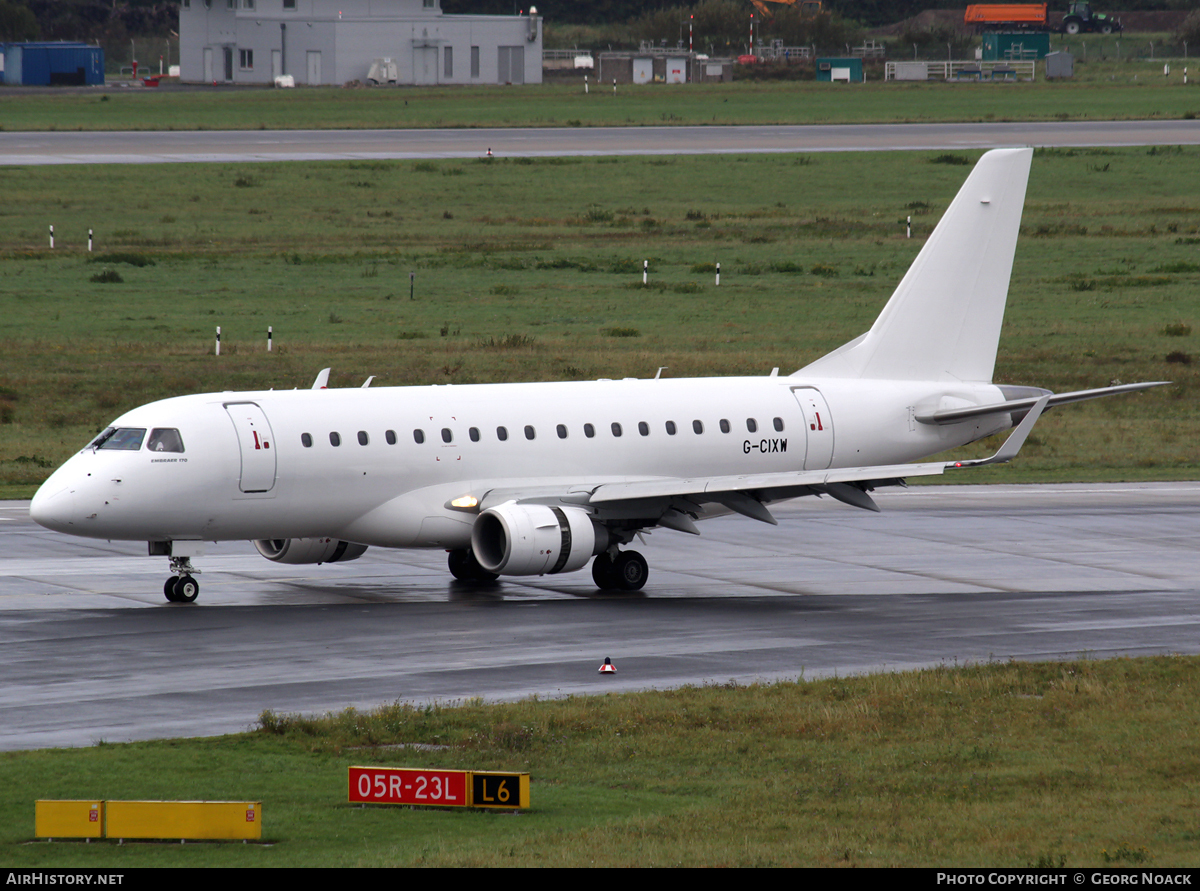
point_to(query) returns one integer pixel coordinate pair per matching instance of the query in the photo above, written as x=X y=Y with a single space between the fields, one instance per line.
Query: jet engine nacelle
x=308 y=550
x=535 y=539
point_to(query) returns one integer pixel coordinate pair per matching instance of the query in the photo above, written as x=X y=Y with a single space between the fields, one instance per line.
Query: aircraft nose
x=53 y=506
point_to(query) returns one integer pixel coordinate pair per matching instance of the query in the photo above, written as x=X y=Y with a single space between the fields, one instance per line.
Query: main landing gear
x=626 y=571
x=181 y=587
x=465 y=568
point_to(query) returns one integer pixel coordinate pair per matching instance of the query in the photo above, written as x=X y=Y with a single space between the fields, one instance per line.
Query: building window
x=431 y=4
x=246 y=59
x=475 y=63
x=231 y=4
x=448 y=63
x=187 y=4
x=289 y=4
x=247 y=4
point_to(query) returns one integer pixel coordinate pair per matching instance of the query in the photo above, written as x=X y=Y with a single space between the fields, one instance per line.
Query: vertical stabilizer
x=943 y=321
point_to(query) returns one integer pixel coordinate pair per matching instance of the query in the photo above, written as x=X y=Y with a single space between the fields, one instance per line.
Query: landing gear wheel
x=465 y=568
x=603 y=573
x=169 y=589
x=187 y=589
x=631 y=570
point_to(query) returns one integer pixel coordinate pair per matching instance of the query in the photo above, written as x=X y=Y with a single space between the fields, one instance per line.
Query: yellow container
x=184 y=819
x=68 y=819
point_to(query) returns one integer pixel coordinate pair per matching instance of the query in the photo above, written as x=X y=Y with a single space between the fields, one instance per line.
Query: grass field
x=526 y=270
x=1105 y=89
x=1005 y=765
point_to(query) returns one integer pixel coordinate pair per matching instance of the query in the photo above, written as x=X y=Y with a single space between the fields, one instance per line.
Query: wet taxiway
x=944 y=574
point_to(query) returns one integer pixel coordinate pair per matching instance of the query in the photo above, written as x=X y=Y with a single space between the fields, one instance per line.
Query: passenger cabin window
x=724 y=425
x=616 y=429
x=670 y=428
x=390 y=436
x=779 y=424
x=643 y=428
x=561 y=429
x=589 y=431
x=418 y=436
x=752 y=425
x=128 y=439
x=530 y=433
x=165 y=439
x=447 y=436
x=697 y=427
x=363 y=439
x=502 y=433
x=335 y=439
x=306 y=440
x=474 y=434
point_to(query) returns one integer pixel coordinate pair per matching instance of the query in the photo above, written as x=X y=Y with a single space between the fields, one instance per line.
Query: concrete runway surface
x=946 y=574
x=60 y=147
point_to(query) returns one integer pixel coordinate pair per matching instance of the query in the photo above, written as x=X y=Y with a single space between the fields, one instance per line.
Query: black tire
x=465 y=568
x=1106 y=29
x=603 y=573
x=169 y=589
x=631 y=570
x=1071 y=26
x=187 y=589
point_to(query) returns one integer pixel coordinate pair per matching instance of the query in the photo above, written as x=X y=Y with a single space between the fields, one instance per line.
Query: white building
x=336 y=41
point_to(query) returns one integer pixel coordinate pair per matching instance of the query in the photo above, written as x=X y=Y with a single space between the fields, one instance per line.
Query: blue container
x=53 y=64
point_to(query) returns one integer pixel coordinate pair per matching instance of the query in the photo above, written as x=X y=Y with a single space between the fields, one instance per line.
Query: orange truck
x=1035 y=17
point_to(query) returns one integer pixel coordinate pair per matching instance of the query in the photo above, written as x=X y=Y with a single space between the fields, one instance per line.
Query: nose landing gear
x=181 y=587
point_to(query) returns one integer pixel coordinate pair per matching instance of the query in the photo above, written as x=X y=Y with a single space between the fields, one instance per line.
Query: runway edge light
x=608 y=667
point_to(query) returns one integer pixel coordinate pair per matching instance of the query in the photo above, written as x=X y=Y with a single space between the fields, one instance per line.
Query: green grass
x=1131 y=89
x=1006 y=765
x=544 y=259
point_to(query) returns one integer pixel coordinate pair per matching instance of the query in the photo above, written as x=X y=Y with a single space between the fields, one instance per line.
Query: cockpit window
x=126 y=438
x=165 y=439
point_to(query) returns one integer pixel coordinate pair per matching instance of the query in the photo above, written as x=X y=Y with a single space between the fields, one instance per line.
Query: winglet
x=1016 y=439
x=322 y=381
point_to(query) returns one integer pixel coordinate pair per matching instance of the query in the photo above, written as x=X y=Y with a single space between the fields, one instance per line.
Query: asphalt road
x=319 y=145
x=946 y=574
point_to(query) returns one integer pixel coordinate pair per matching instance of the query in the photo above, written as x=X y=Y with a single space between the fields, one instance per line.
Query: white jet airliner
x=531 y=479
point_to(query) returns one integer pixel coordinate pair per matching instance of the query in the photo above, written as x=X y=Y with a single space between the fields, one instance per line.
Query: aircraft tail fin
x=943 y=321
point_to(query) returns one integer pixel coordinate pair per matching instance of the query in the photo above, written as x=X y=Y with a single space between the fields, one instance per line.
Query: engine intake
x=535 y=539
x=308 y=550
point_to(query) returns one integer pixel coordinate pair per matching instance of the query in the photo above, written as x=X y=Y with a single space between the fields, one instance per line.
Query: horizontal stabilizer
x=958 y=415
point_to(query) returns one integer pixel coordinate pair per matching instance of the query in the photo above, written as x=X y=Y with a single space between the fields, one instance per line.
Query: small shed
x=1061 y=64
x=847 y=70
x=53 y=64
x=1015 y=46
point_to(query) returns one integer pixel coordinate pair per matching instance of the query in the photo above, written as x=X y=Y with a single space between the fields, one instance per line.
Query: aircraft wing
x=746 y=493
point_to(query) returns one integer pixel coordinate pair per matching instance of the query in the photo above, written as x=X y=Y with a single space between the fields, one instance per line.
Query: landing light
x=465 y=502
